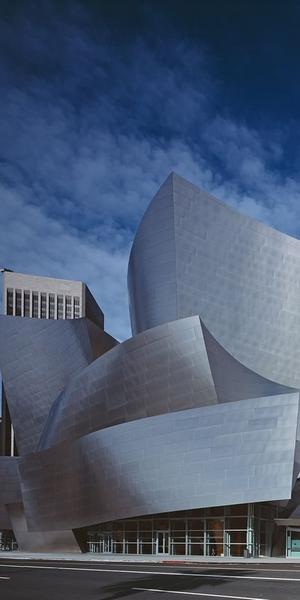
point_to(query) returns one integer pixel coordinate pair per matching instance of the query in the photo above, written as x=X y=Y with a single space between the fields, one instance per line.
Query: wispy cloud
x=89 y=129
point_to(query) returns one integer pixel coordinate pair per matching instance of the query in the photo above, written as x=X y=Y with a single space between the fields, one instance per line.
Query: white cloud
x=33 y=242
x=87 y=141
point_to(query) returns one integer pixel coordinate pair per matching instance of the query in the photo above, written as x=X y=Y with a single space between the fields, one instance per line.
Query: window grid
x=68 y=307
x=10 y=301
x=76 y=306
x=202 y=536
x=35 y=305
x=26 y=303
x=51 y=310
x=60 y=306
x=43 y=305
x=18 y=303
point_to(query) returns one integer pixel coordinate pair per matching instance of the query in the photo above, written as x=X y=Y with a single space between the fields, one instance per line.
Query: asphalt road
x=60 y=580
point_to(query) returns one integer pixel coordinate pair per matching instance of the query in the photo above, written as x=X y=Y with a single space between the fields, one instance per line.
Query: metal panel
x=165 y=463
x=152 y=270
x=5 y=522
x=200 y=409
x=42 y=541
x=9 y=480
x=233 y=381
x=37 y=359
x=162 y=370
x=240 y=276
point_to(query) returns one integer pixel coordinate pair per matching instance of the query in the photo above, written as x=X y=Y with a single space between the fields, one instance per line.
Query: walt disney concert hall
x=184 y=439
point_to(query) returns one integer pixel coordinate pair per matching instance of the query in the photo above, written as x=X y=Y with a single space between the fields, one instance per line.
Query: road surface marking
x=231 y=568
x=197 y=594
x=217 y=566
x=172 y=574
x=4 y=577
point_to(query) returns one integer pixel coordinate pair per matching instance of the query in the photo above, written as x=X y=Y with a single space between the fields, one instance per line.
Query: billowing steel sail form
x=199 y=408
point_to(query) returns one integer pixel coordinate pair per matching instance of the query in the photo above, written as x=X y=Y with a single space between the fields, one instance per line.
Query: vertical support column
x=153 y=538
x=250 y=530
x=14 y=302
x=12 y=442
x=22 y=305
x=287 y=543
x=82 y=307
x=186 y=538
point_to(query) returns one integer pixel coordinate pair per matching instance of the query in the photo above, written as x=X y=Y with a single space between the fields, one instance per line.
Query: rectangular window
x=237 y=510
x=35 y=305
x=10 y=301
x=60 y=307
x=18 y=303
x=195 y=537
x=51 y=313
x=43 y=305
x=178 y=525
x=26 y=303
x=236 y=523
x=76 y=307
x=118 y=537
x=196 y=525
x=147 y=544
x=68 y=301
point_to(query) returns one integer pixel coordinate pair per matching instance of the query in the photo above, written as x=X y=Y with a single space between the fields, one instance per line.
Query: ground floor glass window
x=7 y=540
x=239 y=530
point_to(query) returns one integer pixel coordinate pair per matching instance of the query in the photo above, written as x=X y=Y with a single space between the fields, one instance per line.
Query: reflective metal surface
x=9 y=478
x=199 y=408
x=193 y=255
x=37 y=359
x=39 y=541
x=162 y=370
x=231 y=453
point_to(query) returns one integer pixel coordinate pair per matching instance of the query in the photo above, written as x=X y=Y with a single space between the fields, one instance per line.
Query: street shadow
x=173 y=582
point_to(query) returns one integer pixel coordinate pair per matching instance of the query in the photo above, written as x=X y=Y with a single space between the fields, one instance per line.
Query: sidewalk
x=135 y=558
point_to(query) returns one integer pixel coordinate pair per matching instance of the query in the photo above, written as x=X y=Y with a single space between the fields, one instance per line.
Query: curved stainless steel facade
x=199 y=408
x=182 y=460
x=203 y=258
x=162 y=370
x=37 y=359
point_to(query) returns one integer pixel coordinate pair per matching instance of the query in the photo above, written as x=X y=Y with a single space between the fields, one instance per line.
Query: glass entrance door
x=106 y=543
x=293 y=543
x=214 y=537
x=235 y=543
x=162 y=542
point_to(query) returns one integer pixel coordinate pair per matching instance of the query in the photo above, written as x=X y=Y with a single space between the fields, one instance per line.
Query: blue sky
x=101 y=100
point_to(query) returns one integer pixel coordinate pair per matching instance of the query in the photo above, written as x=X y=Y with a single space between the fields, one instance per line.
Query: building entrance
x=162 y=542
x=215 y=537
x=106 y=543
x=7 y=540
x=293 y=543
x=100 y=542
x=239 y=530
